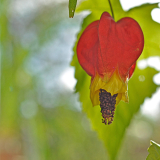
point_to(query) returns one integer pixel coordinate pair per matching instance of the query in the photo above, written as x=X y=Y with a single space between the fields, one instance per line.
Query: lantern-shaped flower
x=107 y=51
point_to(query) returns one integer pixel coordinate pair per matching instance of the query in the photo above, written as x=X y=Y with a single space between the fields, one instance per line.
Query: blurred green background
x=40 y=115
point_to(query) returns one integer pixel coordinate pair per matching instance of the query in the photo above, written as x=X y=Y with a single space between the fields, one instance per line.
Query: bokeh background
x=40 y=114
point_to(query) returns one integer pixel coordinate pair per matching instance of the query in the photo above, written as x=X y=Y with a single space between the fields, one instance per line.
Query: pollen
x=107 y=104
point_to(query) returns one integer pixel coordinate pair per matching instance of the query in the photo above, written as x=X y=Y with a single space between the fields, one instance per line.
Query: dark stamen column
x=107 y=104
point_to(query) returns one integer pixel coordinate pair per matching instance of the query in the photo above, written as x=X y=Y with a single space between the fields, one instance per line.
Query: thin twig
x=111 y=8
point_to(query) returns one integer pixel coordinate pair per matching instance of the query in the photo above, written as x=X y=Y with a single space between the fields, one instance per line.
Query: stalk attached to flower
x=108 y=51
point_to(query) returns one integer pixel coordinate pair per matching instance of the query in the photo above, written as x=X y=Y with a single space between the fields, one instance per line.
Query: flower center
x=107 y=104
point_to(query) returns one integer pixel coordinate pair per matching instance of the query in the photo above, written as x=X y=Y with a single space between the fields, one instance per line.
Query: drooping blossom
x=108 y=51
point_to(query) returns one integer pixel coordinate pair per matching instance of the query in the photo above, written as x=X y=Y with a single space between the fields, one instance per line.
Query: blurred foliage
x=154 y=151
x=112 y=135
x=34 y=123
x=40 y=118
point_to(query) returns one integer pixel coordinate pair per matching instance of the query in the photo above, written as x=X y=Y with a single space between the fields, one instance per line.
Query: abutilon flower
x=107 y=51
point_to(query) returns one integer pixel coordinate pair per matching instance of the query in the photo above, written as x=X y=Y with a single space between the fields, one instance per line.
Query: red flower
x=107 y=51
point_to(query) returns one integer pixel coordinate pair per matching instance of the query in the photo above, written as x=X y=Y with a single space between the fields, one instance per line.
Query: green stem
x=111 y=8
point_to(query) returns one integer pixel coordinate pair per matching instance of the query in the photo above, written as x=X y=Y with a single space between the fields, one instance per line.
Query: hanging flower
x=107 y=51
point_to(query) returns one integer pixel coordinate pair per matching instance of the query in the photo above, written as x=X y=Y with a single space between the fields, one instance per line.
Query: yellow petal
x=114 y=85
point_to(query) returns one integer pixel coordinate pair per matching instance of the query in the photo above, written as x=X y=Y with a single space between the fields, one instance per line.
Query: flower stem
x=111 y=8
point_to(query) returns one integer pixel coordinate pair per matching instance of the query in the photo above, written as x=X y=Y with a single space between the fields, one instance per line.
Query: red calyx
x=106 y=45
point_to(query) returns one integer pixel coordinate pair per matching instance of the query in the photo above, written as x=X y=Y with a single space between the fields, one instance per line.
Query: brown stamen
x=107 y=104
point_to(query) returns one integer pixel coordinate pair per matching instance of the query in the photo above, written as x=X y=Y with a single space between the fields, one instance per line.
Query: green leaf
x=72 y=7
x=100 y=6
x=112 y=135
x=141 y=84
x=154 y=151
